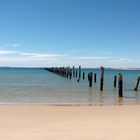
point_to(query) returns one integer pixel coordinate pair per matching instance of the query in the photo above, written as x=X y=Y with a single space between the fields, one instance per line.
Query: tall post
x=95 y=78
x=70 y=73
x=120 y=85
x=76 y=73
x=79 y=72
x=90 y=79
x=137 y=84
x=115 y=80
x=102 y=78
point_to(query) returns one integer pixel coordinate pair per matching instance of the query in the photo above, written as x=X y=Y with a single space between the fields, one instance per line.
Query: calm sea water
x=37 y=86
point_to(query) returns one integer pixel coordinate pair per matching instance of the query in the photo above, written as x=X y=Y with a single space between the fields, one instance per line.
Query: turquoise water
x=37 y=86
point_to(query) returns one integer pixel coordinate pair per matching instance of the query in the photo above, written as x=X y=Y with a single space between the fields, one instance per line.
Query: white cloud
x=105 y=52
x=45 y=59
x=4 y=52
x=123 y=60
x=92 y=58
x=41 y=55
x=28 y=61
x=14 y=45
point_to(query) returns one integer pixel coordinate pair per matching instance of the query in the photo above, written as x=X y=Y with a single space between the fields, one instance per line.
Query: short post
x=102 y=78
x=137 y=84
x=78 y=80
x=115 y=80
x=83 y=75
x=67 y=73
x=73 y=71
x=95 y=78
x=120 y=85
x=90 y=79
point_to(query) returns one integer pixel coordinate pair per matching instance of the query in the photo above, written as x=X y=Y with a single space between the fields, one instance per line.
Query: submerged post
x=137 y=84
x=95 y=78
x=115 y=80
x=102 y=79
x=120 y=85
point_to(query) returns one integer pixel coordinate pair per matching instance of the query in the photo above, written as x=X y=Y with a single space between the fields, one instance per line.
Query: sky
x=90 y=33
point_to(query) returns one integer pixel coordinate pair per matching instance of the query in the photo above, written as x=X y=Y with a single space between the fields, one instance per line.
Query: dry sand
x=38 y=122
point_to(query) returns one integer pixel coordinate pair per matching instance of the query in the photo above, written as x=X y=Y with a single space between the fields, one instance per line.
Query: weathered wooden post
x=76 y=73
x=95 y=78
x=115 y=80
x=70 y=73
x=137 y=84
x=73 y=71
x=120 y=85
x=79 y=72
x=90 y=79
x=102 y=78
x=83 y=75
x=67 y=73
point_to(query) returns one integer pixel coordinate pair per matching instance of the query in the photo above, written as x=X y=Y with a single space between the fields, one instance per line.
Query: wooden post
x=120 y=85
x=73 y=71
x=137 y=84
x=76 y=73
x=90 y=79
x=79 y=72
x=70 y=73
x=83 y=75
x=115 y=80
x=67 y=73
x=95 y=78
x=102 y=79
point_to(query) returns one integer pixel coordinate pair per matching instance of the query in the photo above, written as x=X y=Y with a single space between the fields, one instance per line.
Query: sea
x=38 y=86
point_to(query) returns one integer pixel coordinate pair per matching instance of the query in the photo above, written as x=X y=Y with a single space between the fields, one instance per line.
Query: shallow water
x=37 y=86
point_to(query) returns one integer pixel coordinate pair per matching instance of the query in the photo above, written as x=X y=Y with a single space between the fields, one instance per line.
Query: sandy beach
x=40 y=122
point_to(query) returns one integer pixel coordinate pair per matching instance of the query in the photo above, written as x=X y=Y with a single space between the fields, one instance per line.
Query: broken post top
x=119 y=76
x=80 y=68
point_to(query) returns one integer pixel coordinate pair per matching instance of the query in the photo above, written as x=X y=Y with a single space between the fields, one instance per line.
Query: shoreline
x=33 y=122
x=69 y=104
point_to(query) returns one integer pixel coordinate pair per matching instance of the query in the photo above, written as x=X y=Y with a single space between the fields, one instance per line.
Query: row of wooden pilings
x=74 y=72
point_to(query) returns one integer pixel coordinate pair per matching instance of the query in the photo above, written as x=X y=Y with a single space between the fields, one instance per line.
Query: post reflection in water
x=120 y=101
x=101 y=98
x=136 y=93
x=90 y=95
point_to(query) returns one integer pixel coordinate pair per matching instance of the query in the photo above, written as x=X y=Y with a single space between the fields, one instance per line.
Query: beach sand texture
x=40 y=122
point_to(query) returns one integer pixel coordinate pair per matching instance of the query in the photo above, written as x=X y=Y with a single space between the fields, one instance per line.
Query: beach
x=41 y=122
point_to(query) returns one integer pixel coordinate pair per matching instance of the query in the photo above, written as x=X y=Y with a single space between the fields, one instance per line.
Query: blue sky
x=70 y=32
